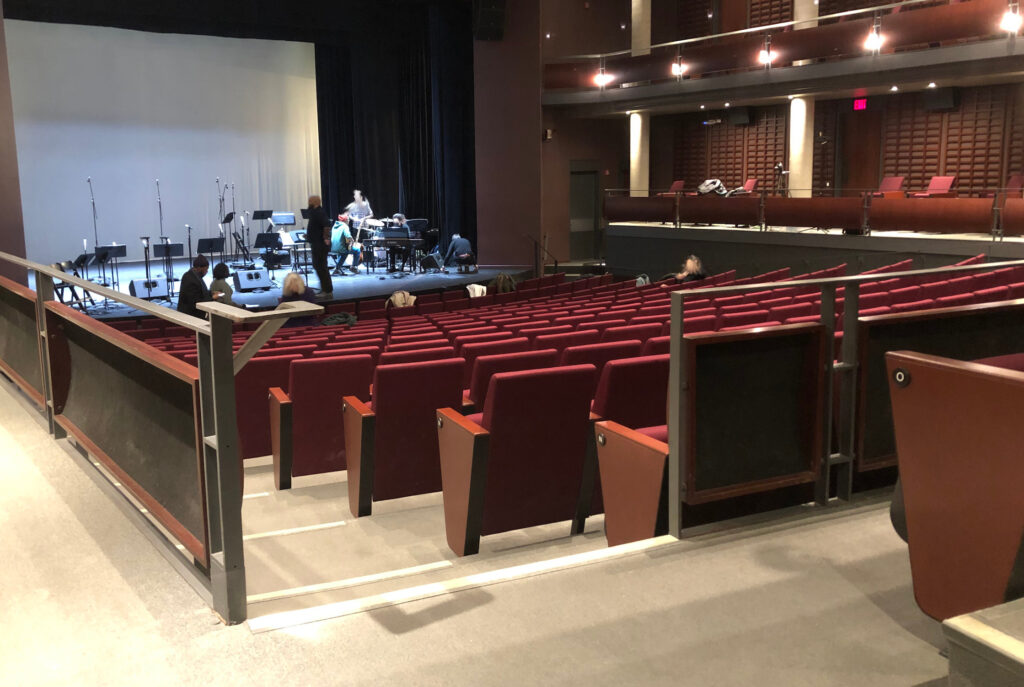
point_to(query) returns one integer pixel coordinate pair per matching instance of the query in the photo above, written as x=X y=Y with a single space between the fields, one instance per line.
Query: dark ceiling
x=298 y=20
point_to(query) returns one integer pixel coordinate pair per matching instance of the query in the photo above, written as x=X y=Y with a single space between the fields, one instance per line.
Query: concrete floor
x=803 y=597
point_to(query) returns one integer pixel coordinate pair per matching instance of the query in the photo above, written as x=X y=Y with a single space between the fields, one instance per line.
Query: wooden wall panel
x=766 y=141
x=1015 y=140
x=726 y=153
x=764 y=12
x=835 y=6
x=691 y=152
x=911 y=141
x=975 y=134
x=693 y=20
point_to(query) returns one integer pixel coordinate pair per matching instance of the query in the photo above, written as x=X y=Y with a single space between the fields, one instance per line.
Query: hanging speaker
x=251 y=280
x=488 y=20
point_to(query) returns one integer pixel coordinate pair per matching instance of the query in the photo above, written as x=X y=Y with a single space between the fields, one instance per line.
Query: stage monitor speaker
x=153 y=288
x=488 y=20
x=431 y=262
x=941 y=99
x=738 y=116
x=251 y=280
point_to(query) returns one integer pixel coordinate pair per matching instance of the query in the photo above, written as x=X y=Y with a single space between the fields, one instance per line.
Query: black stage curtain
x=395 y=118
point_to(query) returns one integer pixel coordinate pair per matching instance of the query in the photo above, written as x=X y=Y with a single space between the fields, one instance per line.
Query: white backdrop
x=130 y=107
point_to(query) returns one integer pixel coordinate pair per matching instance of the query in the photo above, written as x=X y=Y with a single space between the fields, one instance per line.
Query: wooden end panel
x=632 y=469
x=464 y=447
x=281 y=437
x=359 y=454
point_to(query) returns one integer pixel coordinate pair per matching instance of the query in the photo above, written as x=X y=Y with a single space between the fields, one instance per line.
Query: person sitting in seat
x=220 y=289
x=193 y=289
x=294 y=289
x=693 y=270
x=343 y=245
x=460 y=253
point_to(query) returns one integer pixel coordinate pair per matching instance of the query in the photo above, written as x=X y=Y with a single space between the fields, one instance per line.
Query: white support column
x=639 y=153
x=641 y=22
x=802 y=11
x=801 y=146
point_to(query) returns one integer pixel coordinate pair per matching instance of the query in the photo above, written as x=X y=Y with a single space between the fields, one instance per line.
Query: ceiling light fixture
x=875 y=39
x=1012 y=19
x=931 y=84
x=679 y=68
x=894 y=89
x=727 y=104
x=603 y=78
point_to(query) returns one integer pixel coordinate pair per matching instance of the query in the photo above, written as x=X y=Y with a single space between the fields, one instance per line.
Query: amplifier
x=252 y=280
x=152 y=288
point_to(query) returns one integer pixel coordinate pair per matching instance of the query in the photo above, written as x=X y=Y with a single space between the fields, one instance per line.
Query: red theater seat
x=399 y=357
x=634 y=331
x=487 y=366
x=307 y=436
x=656 y=345
x=938 y=187
x=633 y=391
x=600 y=353
x=562 y=340
x=252 y=389
x=521 y=462
x=391 y=445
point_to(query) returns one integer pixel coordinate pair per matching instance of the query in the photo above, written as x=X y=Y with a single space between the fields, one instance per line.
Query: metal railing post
x=828 y=321
x=44 y=293
x=677 y=418
x=223 y=470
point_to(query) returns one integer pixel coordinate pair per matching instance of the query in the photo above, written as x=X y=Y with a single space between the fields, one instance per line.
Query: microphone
x=88 y=179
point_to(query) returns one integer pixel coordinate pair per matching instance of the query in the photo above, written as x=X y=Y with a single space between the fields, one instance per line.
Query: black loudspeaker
x=153 y=288
x=738 y=116
x=488 y=20
x=941 y=99
x=431 y=262
x=251 y=280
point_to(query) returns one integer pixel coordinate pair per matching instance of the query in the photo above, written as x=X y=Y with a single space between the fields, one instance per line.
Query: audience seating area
x=397 y=384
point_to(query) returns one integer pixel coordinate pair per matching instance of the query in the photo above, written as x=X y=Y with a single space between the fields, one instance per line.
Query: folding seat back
x=532 y=334
x=562 y=340
x=462 y=340
x=743 y=319
x=252 y=386
x=426 y=308
x=399 y=357
x=784 y=312
x=956 y=300
x=911 y=306
x=997 y=293
x=423 y=336
x=600 y=353
x=633 y=331
x=405 y=400
x=316 y=387
x=601 y=325
x=475 y=328
x=696 y=325
x=905 y=294
x=372 y=351
x=538 y=422
x=656 y=345
x=418 y=345
x=304 y=351
x=487 y=366
x=869 y=300
x=353 y=343
x=472 y=351
x=633 y=391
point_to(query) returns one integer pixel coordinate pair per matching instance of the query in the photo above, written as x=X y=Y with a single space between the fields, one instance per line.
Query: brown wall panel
x=764 y=12
x=12 y=232
x=507 y=90
x=824 y=166
x=911 y=141
x=578 y=27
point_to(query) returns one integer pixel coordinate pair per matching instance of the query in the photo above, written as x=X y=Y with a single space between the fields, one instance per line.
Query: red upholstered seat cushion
x=1014 y=361
x=538 y=421
x=633 y=391
x=317 y=387
x=405 y=400
x=657 y=432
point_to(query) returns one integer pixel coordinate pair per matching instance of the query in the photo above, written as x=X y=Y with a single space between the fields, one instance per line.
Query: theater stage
x=347 y=288
x=657 y=249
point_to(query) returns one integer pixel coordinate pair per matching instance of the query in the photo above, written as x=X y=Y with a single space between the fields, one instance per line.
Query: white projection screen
x=129 y=107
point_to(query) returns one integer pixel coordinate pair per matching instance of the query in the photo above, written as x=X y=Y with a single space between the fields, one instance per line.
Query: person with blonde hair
x=294 y=289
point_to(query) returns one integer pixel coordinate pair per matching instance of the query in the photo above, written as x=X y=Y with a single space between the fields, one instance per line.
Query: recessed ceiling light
x=790 y=96
x=727 y=104
x=931 y=85
x=894 y=89
x=702 y=107
x=547 y=35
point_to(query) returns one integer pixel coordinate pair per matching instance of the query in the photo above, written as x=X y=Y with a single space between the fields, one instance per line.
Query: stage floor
x=350 y=287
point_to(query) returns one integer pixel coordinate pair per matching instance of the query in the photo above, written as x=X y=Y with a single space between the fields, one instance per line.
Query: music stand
x=266 y=242
x=111 y=253
x=167 y=251
x=83 y=261
x=262 y=216
x=210 y=246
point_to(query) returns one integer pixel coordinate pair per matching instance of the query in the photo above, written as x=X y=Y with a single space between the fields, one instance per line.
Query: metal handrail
x=742 y=32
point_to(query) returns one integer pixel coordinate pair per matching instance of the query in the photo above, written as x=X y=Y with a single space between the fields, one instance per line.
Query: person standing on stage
x=193 y=289
x=318 y=234
x=358 y=211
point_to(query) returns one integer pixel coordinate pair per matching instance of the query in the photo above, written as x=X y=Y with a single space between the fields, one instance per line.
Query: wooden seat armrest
x=464 y=447
x=281 y=437
x=633 y=470
x=359 y=452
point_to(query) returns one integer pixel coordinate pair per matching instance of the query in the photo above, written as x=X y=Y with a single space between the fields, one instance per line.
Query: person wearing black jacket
x=460 y=253
x=193 y=289
x=318 y=233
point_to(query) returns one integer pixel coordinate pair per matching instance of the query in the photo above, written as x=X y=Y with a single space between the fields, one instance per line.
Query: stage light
x=1012 y=19
x=874 y=41
x=894 y=89
x=679 y=68
x=931 y=84
x=547 y=35
x=702 y=107
x=727 y=104
x=603 y=78
x=766 y=57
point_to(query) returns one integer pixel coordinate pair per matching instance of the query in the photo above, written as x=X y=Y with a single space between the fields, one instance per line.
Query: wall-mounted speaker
x=941 y=99
x=148 y=288
x=252 y=280
x=488 y=20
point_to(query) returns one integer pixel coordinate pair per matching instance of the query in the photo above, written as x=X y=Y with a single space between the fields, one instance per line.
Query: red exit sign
x=860 y=104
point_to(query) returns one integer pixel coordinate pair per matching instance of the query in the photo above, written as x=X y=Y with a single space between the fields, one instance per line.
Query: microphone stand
x=165 y=241
x=234 y=227
x=188 y=231
x=96 y=232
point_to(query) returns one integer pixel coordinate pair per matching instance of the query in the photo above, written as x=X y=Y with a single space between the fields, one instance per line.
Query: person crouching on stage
x=317 y=233
x=460 y=253
x=294 y=289
x=348 y=246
